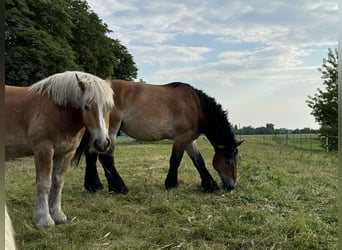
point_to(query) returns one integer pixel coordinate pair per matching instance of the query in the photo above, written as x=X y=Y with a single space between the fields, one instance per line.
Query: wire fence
x=313 y=142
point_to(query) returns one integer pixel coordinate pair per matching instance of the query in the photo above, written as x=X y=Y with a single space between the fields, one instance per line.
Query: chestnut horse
x=174 y=111
x=48 y=120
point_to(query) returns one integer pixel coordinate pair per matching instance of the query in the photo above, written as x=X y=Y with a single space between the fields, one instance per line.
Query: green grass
x=286 y=198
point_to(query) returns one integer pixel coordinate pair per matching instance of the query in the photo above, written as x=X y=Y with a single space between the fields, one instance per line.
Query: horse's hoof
x=122 y=190
x=171 y=184
x=210 y=186
x=45 y=221
x=59 y=217
x=93 y=187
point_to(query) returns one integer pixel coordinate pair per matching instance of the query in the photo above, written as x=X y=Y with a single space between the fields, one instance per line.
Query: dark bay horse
x=48 y=120
x=174 y=111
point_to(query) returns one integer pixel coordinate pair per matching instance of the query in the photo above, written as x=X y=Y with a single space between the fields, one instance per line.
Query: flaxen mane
x=64 y=90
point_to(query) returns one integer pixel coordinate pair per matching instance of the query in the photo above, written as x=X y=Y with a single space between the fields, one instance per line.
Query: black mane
x=218 y=128
x=178 y=84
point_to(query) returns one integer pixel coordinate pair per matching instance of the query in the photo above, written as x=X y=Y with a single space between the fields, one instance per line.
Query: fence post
x=327 y=143
x=287 y=138
x=293 y=139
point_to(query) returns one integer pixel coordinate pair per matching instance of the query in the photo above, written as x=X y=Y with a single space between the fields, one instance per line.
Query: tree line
x=43 y=37
x=270 y=129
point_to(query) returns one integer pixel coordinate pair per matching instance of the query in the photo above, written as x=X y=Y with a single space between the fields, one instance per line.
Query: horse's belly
x=17 y=152
x=147 y=132
x=17 y=146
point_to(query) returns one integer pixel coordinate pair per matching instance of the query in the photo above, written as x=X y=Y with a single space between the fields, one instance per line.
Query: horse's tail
x=79 y=154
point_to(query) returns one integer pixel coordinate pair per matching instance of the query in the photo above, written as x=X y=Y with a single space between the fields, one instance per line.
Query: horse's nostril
x=95 y=145
x=229 y=187
x=101 y=146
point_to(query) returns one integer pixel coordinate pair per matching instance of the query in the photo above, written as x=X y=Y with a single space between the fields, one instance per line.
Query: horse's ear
x=80 y=83
x=239 y=143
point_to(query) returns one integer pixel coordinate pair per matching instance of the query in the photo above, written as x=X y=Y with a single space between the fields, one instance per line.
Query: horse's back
x=14 y=92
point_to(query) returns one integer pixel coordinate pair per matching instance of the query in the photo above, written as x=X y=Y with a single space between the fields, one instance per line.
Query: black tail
x=79 y=154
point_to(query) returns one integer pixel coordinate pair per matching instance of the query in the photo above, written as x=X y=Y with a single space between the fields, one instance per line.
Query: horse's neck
x=210 y=138
x=213 y=135
x=123 y=92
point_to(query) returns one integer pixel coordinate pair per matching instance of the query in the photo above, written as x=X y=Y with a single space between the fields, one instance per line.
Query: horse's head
x=225 y=162
x=96 y=106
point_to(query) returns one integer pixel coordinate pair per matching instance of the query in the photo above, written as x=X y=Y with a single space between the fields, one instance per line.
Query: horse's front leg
x=43 y=162
x=115 y=183
x=175 y=159
x=91 y=179
x=60 y=165
x=208 y=182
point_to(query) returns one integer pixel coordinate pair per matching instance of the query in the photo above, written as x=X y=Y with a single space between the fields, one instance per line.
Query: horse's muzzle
x=229 y=187
x=101 y=146
x=228 y=183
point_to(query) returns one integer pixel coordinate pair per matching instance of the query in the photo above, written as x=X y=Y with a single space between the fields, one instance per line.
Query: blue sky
x=259 y=59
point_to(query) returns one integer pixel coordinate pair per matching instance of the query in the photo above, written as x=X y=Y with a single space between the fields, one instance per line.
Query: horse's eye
x=230 y=153
x=87 y=107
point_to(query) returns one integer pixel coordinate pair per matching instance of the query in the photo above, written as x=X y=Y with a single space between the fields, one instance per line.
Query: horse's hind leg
x=43 y=164
x=115 y=183
x=60 y=165
x=91 y=179
x=175 y=159
x=208 y=182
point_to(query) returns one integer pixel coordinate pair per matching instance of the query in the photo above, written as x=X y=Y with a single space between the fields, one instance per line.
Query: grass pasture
x=286 y=198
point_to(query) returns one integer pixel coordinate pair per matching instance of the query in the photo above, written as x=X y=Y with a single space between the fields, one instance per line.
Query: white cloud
x=283 y=57
x=150 y=37
x=168 y=54
x=259 y=20
x=105 y=8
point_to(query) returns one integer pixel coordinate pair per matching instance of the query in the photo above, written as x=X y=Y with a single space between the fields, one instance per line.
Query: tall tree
x=36 y=40
x=89 y=41
x=43 y=37
x=125 y=67
x=324 y=103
